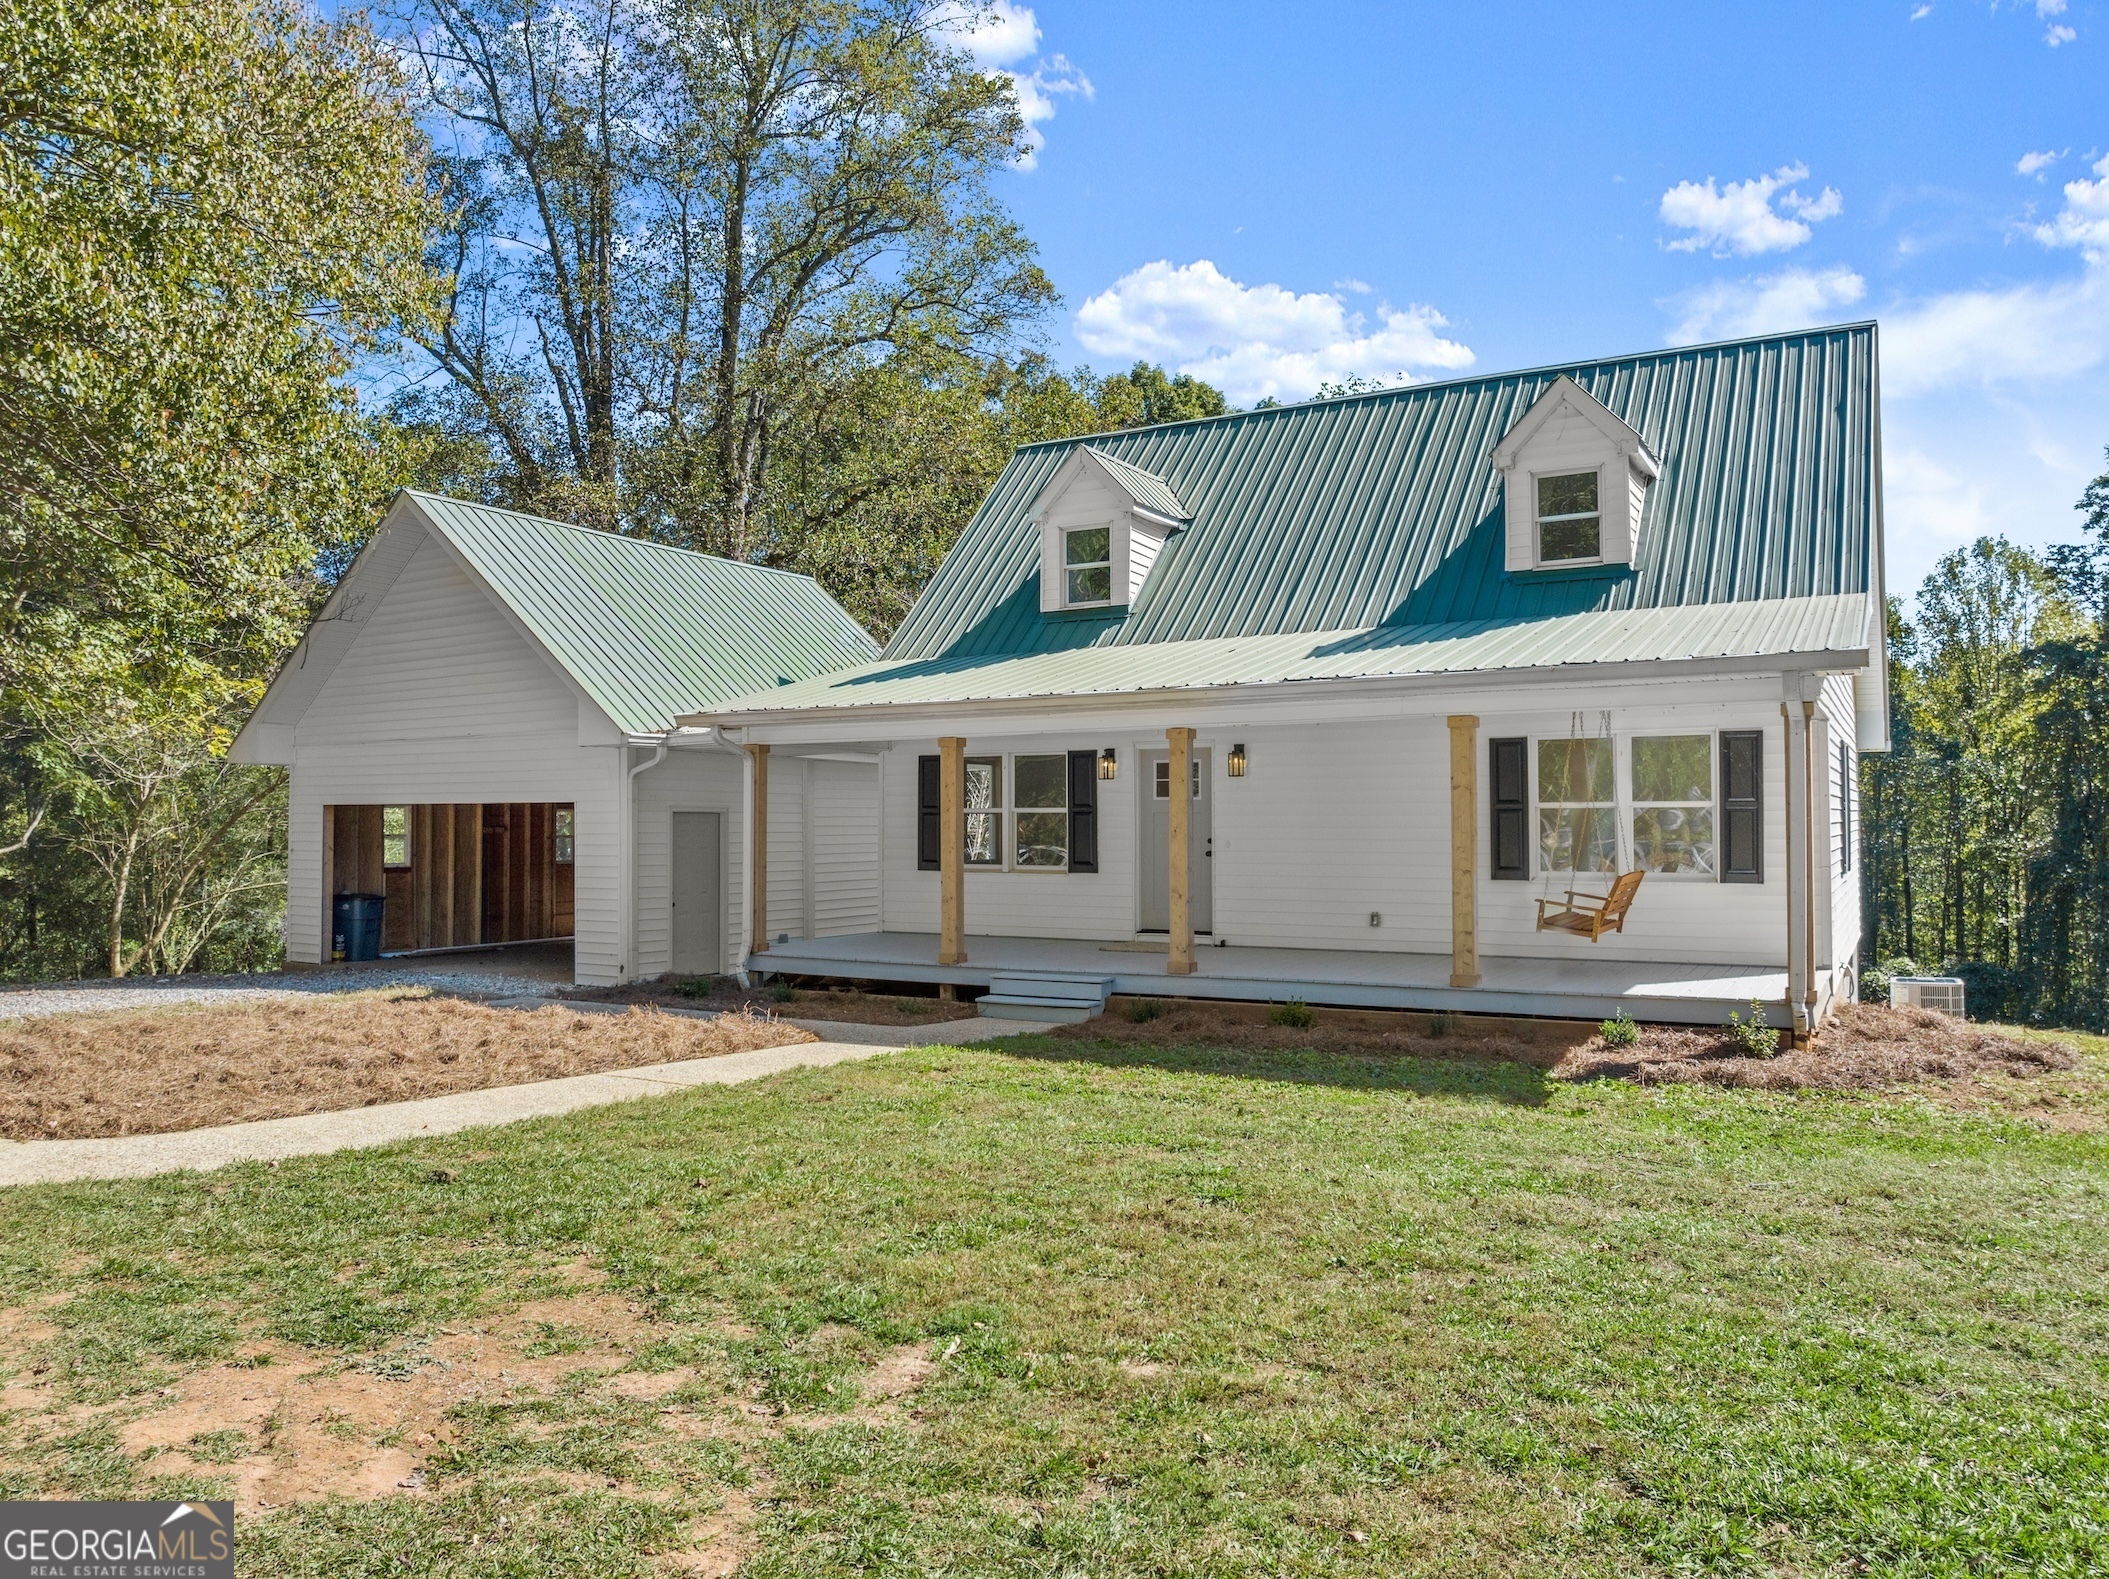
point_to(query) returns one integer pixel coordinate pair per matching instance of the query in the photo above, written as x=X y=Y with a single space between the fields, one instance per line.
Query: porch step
x=1056 y=1000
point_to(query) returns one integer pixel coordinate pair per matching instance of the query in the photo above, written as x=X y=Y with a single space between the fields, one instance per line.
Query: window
x=564 y=841
x=1845 y=807
x=984 y=811
x=1577 y=815
x=395 y=836
x=1673 y=803
x=1087 y=554
x=1164 y=779
x=1040 y=791
x=1570 y=524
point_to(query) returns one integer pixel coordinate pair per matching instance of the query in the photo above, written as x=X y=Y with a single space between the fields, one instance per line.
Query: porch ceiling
x=1589 y=987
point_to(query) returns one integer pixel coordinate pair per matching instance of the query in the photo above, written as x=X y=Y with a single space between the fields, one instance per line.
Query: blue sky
x=1270 y=195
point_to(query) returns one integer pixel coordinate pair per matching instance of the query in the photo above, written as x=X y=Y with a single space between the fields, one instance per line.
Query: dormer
x=1102 y=524
x=1576 y=482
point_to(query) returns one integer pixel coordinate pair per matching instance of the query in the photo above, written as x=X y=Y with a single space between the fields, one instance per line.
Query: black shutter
x=1511 y=829
x=1743 y=806
x=1083 y=811
x=1845 y=807
x=929 y=815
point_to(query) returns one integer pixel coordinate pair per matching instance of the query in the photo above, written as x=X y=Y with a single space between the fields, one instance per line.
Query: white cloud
x=2023 y=333
x=1922 y=497
x=1252 y=341
x=2084 y=221
x=2059 y=34
x=2036 y=163
x=1768 y=304
x=1742 y=218
x=1919 y=13
x=1359 y=287
x=2050 y=8
x=1004 y=38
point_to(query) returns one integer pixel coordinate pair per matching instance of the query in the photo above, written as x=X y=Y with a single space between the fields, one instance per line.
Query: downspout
x=626 y=857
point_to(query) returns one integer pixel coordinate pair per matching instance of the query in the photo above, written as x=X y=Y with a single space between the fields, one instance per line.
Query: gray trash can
x=355 y=926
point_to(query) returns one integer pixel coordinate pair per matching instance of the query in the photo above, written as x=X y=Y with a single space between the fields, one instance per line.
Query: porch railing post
x=1464 y=850
x=1181 y=960
x=952 y=850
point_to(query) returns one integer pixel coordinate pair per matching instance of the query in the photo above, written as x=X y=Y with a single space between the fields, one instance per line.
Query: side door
x=1156 y=875
x=698 y=947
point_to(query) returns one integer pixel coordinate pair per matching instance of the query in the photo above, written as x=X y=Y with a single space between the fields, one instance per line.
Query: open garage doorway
x=457 y=875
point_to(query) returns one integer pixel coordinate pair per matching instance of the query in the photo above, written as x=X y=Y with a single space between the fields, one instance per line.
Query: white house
x=1338 y=701
x=480 y=725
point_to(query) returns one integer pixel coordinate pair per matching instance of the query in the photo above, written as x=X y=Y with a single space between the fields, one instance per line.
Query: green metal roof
x=649 y=631
x=1147 y=489
x=1833 y=624
x=1384 y=510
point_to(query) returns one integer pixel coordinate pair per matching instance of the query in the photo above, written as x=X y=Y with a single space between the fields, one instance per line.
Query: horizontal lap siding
x=1097 y=904
x=439 y=700
x=787 y=848
x=685 y=781
x=843 y=811
x=1844 y=886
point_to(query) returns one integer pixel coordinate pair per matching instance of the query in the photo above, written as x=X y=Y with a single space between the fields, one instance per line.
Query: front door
x=699 y=898
x=1157 y=843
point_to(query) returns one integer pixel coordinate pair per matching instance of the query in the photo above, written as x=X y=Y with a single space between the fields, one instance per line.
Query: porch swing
x=1588 y=915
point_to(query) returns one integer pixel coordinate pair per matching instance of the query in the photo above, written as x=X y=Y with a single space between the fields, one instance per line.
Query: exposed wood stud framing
x=1464 y=850
x=1180 y=960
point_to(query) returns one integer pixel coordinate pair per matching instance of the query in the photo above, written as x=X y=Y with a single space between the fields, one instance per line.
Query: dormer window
x=1570 y=521
x=1575 y=480
x=1087 y=554
x=1102 y=523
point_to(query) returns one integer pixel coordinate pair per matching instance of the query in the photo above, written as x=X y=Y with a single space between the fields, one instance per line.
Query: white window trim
x=1106 y=564
x=1623 y=803
x=1009 y=812
x=1537 y=521
x=1001 y=810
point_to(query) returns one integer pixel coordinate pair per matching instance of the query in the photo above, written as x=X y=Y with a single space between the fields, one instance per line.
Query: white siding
x=688 y=780
x=1845 y=916
x=440 y=700
x=843 y=822
x=787 y=848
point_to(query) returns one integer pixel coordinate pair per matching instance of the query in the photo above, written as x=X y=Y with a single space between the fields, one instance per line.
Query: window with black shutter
x=1510 y=782
x=1742 y=806
x=929 y=815
x=1083 y=811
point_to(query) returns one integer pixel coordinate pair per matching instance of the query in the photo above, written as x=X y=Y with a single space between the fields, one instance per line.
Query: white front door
x=1157 y=843
x=699 y=896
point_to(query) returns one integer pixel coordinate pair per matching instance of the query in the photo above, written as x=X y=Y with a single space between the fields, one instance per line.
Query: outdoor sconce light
x=1236 y=764
x=1108 y=764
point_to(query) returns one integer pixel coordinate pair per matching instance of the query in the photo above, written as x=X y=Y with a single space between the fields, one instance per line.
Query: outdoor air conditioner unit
x=1942 y=994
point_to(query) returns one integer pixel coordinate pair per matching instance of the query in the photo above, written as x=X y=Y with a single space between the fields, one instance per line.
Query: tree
x=681 y=228
x=207 y=211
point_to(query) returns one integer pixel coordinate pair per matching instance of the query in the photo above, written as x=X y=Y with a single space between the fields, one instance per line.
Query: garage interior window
x=395 y=837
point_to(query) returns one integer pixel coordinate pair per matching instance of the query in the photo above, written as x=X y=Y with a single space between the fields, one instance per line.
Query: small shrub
x=782 y=991
x=1144 y=1010
x=695 y=986
x=1295 y=1012
x=1441 y=1023
x=1619 y=1032
x=911 y=1006
x=1753 y=1036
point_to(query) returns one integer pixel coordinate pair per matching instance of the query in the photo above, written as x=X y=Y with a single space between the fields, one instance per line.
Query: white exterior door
x=698 y=895
x=1156 y=874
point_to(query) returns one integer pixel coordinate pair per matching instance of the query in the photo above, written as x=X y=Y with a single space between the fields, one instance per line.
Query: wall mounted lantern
x=1108 y=764
x=1236 y=764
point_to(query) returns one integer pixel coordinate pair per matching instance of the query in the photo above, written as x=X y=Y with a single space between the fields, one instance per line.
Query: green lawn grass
x=1194 y=1313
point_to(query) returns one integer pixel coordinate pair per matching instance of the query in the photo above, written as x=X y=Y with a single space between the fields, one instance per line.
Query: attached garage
x=480 y=728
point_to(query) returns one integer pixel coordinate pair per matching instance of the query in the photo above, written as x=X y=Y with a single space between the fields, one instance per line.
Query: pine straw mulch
x=1864 y=1047
x=722 y=994
x=75 y=1076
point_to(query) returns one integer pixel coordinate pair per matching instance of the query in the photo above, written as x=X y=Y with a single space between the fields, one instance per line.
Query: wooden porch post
x=1464 y=850
x=1181 y=961
x=952 y=850
x=759 y=855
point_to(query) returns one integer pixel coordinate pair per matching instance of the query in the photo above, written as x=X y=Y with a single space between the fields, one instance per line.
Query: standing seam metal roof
x=650 y=631
x=1384 y=509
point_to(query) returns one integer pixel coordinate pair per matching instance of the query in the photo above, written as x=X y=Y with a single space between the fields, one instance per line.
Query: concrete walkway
x=136 y=1156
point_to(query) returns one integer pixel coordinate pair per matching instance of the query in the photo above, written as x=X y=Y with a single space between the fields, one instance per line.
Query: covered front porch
x=1588 y=989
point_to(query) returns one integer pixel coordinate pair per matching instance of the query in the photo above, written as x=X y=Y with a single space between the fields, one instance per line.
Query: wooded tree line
x=730 y=274
x=1986 y=827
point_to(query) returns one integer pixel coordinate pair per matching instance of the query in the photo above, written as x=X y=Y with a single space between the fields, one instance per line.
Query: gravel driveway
x=456 y=979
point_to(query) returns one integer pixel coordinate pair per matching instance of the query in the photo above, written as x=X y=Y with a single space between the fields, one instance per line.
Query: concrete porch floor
x=1589 y=989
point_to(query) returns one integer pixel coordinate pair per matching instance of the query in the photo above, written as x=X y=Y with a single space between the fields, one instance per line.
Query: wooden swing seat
x=1588 y=916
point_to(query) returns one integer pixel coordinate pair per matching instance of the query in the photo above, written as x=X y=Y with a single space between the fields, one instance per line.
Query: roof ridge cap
x=622 y=537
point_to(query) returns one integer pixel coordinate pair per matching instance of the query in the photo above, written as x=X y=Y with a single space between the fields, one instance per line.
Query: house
x=480 y=725
x=1338 y=702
